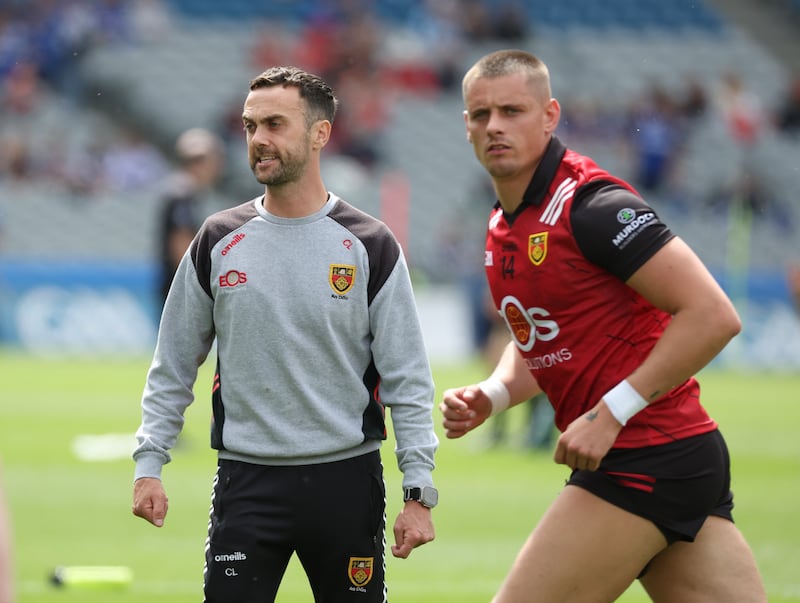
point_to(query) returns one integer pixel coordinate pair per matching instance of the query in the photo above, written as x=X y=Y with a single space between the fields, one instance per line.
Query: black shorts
x=676 y=485
x=332 y=515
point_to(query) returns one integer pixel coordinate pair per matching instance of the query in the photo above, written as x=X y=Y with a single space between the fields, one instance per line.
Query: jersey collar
x=542 y=177
x=544 y=174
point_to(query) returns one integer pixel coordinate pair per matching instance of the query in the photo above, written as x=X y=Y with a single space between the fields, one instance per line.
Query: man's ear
x=321 y=133
x=553 y=113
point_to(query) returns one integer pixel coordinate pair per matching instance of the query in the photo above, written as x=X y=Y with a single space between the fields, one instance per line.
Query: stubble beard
x=290 y=166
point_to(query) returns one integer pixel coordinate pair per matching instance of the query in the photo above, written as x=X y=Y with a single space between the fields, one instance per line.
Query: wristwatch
x=427 y=496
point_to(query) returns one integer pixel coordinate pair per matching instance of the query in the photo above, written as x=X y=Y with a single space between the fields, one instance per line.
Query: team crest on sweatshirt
x=341 y=278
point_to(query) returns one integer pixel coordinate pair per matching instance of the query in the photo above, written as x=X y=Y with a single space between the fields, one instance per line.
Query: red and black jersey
x=557 y=269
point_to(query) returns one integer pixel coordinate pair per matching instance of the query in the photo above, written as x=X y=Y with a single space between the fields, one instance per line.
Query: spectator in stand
x=133 y=163
x=22 y=90
x=364 y=120
x=82 y=173
x=742 y=111
x=694 y=101
x=16 y=160
x=741 y=114
x=656 y=138
x=440 y=28
x=150 y=20
x=510 y=21
x=474 y=19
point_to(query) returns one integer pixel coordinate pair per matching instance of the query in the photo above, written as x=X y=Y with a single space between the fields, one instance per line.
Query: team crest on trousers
x=342 y=277
x=359 y=570
x=537 y=248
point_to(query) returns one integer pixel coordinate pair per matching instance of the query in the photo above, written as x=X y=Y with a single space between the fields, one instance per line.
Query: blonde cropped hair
x=509 y=62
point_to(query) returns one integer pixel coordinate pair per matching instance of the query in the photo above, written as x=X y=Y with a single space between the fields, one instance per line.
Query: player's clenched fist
x=464 y=409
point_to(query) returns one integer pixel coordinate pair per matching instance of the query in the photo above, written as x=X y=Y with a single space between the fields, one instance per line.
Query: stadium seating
x=606 y=57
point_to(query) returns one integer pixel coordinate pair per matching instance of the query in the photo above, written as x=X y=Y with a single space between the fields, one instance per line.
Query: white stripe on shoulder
x=563 y=194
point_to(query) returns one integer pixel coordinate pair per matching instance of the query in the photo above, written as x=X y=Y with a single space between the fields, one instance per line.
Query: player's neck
x=510 y=195
x=295 y=199
x=510 y=188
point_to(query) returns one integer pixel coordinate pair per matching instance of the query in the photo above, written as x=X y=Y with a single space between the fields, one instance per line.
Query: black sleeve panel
x=382 y=247
x=214 y=229
x=616 y=229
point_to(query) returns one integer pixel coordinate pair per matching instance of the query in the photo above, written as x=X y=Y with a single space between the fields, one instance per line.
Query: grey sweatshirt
x=316 y=332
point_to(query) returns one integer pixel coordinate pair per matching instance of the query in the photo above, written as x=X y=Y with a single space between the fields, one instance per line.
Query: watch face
x=430 y=497
x=427 y=496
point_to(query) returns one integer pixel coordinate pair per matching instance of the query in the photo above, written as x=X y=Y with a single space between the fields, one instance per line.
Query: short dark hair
x=320 y=100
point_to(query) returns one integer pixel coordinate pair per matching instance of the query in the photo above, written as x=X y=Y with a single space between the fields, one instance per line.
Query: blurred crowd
x=44 y=103
x=652 y=134
x=346 y=43
x=47 y=136
x=42 y=44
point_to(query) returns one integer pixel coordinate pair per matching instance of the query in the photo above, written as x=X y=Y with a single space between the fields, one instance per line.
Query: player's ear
x=320 y=133
x=552 y=115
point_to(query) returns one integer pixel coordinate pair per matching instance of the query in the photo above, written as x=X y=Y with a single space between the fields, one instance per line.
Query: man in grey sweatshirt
x=310 y=303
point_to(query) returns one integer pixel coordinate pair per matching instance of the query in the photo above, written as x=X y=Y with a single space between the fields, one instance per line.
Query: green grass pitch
x=68 y=511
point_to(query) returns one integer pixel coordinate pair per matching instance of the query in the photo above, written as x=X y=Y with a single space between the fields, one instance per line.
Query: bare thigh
x=583 y=550
x=718 y=567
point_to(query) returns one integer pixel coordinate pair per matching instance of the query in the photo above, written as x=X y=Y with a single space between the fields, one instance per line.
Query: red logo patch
x=232 y=278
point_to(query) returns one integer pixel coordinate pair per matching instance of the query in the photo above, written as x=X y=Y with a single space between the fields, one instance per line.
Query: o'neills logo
x=234 y=241
x=237 y=556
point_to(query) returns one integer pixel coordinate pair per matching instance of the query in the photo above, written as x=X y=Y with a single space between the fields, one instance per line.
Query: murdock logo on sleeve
x=633 y=224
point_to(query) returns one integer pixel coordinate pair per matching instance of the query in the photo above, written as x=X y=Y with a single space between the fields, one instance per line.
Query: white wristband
x=497 y=392
x=623 y=401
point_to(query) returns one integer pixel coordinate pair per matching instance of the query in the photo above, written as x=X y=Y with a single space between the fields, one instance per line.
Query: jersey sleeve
x=616 y=229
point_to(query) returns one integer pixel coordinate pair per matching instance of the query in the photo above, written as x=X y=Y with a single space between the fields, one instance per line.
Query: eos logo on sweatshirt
x=232 y=278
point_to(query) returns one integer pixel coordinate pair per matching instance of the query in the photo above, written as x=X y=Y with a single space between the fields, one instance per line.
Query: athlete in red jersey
x=611 y=315
x=557 y=269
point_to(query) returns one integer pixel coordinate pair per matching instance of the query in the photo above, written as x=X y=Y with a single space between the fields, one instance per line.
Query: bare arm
x=704 y=319
x=515 y=375
x=703 y=322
